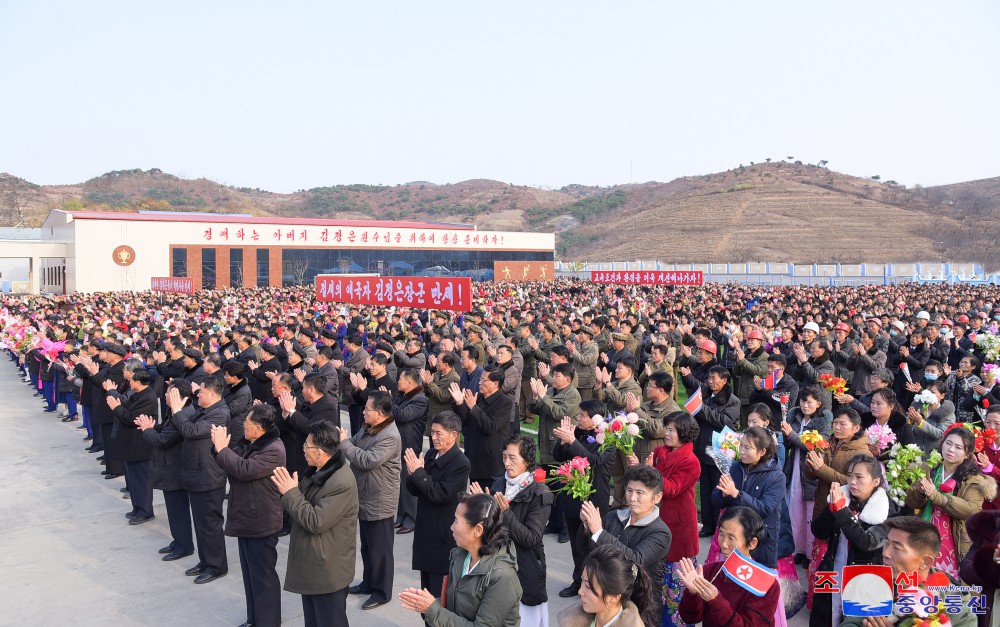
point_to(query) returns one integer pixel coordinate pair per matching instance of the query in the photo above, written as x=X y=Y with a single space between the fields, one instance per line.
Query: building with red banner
x=105 y=251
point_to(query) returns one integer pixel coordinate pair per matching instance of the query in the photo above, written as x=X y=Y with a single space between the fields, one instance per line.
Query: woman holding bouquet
x=950 y=494
x=680 y=468
x=801 y=490
x=852 y=525
x=929 y=428
x=757 y=482
x=525 y=505
x=885 y=412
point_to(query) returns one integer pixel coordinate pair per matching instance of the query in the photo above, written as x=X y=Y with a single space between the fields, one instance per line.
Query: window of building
x=208 y=268
x=263 y=267
x=179 y=264
x=236 y=267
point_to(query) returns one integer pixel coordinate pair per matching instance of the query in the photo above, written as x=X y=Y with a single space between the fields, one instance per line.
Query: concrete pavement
x=68 y=556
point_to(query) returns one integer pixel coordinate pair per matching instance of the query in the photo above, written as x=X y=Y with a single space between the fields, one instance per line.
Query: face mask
x=894 y=333
x=930 y=377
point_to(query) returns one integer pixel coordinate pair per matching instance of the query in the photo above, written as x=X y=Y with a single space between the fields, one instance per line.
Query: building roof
x=20 y=233
x=242 y=218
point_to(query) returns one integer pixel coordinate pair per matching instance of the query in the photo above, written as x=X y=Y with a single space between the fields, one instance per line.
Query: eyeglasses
x=304 y=447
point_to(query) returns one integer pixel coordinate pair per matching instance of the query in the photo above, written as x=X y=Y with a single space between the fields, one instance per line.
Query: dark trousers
x=49 y=393
x=577 y=544
x=206 y=512
x=86 y=420
x=140 y=488
x=325 y=610
x=111 y=464
x=377 y=538
x=179 y=520
x=406 y=511
x=710 y=476
x=356 y=415
x=258 y=557
x=432 y=582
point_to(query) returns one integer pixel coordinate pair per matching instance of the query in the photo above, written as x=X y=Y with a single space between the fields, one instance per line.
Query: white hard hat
x=923 y=315
x=811 y=326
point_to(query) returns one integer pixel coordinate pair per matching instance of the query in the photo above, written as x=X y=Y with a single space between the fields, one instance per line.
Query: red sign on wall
x=180 y=285
x=648 y=277
x=448 y=293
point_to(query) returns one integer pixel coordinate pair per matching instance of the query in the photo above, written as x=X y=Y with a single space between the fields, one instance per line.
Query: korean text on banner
x=448 y=293
x=180 y=285
x=648 y=277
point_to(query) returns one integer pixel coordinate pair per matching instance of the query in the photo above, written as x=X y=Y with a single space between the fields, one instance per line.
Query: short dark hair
x=647 y=476
x=215 y=359
x=315 y=381
x=325 y=436
x=720 y=371
x=596 y=408
x=235 y=369
x=448 y=358
x=380 y=358
x=214 y=384
x=748 y=518
x=629 y=361
x=325 y=351
x=527 y=447
x=493 y=374
x=142 y=376
x=449 y=420
x=812 y=392
x=662 y=380
x=263 y=415
x=777 y=359
x=354 y=339
x=183 y=387
x=381 y=402
x=684 y=423
x=471 y=352
x=922 y=535
x=851 y=413
x=561 y=350
x=762 y=441
x=566 y=370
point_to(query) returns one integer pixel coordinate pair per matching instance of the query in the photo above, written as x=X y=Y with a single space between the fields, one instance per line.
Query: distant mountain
x=776 y=211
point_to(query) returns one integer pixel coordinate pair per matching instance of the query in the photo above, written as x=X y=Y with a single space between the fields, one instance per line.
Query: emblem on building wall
x=123 y=255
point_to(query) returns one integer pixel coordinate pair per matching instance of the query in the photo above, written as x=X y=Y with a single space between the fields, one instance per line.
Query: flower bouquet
x=573 y=478
x=814 y=441
x=881 y=436
x=926 y=399
x=619 y=432
x=725 y=449
x=926 y=614
x=990 y=344
x=906 y=466
x=832 y=384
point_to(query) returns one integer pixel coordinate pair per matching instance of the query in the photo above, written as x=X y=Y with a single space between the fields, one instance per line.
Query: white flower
x=632 y=429
x=632 y=417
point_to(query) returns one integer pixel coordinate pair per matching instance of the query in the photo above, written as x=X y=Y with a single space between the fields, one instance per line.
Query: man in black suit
x=485 y=422
x=201 y=477
x=108 y=376
x=128 y=445
x=297 y=420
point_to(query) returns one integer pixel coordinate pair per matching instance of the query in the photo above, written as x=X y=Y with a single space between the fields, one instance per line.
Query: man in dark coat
x=128 y=445
x=87 y=395
x=357 y=364
x=255 y=512
x=297 y=418
x=485 y=421
x=262 y=372
x=166 y=440
x=204 y=481
x=437 y=480
x=194 y=371
x=112 y=373
x=785 y=386
x=238 y=397
x=409 y=409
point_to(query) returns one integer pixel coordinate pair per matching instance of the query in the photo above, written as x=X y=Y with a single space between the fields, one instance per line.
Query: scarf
x=516 y=484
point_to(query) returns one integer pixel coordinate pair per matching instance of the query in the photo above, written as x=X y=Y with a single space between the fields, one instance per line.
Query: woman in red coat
x=680 y=468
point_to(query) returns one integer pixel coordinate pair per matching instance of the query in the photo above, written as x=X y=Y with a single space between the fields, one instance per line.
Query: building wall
x=94 y=241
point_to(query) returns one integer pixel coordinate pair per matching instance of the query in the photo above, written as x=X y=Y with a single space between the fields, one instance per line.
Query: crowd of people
x=229 y=402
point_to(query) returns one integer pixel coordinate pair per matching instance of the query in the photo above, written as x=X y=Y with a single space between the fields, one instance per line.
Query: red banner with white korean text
x=180 y=285
x=648 y=277
x=448 y=293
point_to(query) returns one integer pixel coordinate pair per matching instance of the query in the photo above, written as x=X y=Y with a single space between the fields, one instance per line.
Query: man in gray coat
x=374 y=453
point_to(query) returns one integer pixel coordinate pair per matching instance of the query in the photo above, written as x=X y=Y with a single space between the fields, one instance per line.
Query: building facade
x=104 y=251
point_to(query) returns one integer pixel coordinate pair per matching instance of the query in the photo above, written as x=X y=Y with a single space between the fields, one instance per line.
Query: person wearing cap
x=749 y=363
x=809 y=332
x=245 y=348
x=325 y=367
x=328 y=337
x=307 y=340
x=441 y=324
x=128 y=446
x=584 y=359
x=531 y=355
x=922 y=319
x=960 y=343
x=193 y=369
x=864 y=360
x=875 y=325
x=843 y=348
x=609 y=359
x=697 y=363
x=474 y=338
x=409 y=356
x=602 y=335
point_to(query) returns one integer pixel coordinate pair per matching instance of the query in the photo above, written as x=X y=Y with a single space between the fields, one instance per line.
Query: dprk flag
x=771 y=380
x=693 y=404
x=748 y=574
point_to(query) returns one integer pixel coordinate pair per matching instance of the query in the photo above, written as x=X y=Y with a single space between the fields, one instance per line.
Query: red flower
x=986 y=403
x=540 y=475
x=937 y=580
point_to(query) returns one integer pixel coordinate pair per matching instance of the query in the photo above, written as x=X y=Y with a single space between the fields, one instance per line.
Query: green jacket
x=487 y=597
x=551 y=409
x=752 y=365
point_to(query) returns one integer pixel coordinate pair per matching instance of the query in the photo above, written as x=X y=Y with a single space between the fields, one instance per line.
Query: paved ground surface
x=68 y=556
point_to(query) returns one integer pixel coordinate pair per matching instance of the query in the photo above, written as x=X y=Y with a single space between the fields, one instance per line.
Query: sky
x=286 y=96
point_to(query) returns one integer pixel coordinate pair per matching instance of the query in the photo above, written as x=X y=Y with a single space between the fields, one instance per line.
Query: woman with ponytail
x=613 y=591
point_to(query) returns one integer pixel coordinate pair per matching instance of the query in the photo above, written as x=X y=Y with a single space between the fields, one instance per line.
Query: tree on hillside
x=823 y=162
x=768 y=159
x=876 y=177
x=790 y=158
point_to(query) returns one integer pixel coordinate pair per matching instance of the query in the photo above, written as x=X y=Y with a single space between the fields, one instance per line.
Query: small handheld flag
x=693 y=404
x=771 y=380
x=748 y=574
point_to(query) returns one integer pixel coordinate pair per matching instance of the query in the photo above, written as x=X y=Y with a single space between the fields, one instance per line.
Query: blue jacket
x=763 y=490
